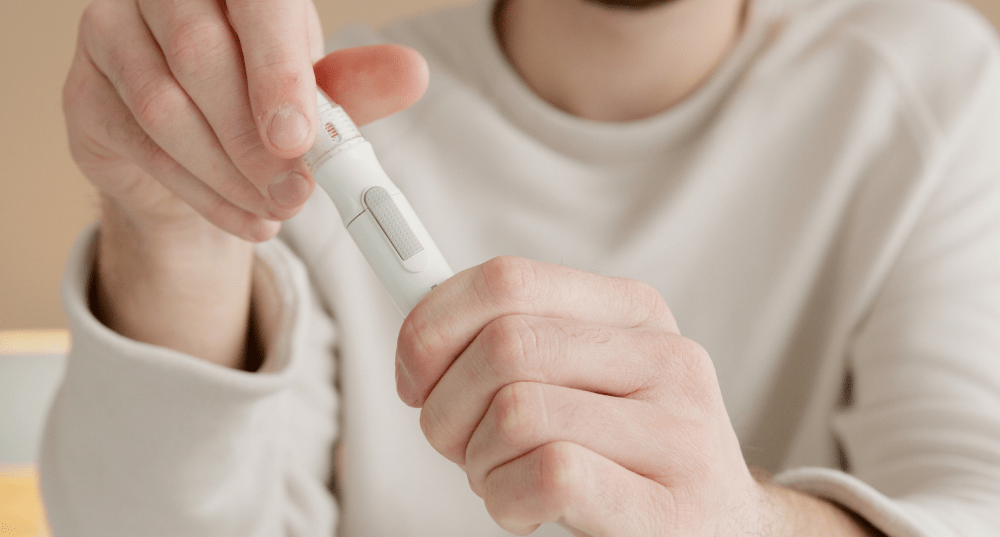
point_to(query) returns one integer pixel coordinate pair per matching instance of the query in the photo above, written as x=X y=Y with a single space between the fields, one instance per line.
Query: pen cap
x=335 y=131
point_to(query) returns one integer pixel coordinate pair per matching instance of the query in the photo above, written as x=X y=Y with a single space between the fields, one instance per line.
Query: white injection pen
x=376 y=214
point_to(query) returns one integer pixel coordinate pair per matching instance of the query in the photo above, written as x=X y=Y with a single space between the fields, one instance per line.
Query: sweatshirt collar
x=608 y=141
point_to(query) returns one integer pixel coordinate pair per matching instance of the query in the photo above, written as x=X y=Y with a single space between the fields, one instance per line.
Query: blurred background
x=44 y=204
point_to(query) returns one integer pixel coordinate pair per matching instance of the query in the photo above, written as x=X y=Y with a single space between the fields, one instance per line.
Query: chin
x=628 y=4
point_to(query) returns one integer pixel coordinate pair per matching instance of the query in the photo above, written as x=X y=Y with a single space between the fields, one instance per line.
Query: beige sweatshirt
x=823 y=216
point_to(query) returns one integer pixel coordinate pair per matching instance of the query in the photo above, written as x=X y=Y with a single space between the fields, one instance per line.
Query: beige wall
x=44 y=201
x=991 y=8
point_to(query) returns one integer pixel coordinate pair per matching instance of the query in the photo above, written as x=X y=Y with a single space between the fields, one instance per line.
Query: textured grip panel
x=393 y=224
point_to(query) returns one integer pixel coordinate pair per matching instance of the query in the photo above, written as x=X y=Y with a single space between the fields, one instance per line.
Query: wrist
x=185 y=287
x=162 y=243
x=789 y=512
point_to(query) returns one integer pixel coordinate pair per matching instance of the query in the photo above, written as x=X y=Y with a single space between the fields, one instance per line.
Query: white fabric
x=823 y=216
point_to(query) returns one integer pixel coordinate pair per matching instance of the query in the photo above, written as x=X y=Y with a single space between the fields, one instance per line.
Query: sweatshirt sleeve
x=921 y=432
x=144 y=440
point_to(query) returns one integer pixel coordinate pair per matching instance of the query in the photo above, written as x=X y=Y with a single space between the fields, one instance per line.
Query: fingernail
x=289 y=191
x=289 y=128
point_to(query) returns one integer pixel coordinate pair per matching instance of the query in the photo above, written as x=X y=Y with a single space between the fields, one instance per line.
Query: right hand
x=191 y=112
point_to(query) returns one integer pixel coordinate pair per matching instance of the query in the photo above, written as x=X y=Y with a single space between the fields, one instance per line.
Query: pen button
x=393 y=223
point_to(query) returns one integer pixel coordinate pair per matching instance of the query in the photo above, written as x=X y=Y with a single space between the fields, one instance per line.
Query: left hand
x=572 y=397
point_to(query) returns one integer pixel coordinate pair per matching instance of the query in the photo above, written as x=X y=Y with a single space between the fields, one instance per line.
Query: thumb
x=373 y=82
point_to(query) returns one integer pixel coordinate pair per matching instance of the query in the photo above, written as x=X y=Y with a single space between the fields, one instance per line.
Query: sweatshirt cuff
x=280 y=282
x=146 y=440
x=893 y=517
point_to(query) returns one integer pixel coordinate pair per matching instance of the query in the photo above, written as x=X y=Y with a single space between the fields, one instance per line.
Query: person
x=728 y=267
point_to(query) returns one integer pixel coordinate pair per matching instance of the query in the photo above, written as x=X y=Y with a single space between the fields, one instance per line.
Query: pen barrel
x=398 y=248
x=377 y=215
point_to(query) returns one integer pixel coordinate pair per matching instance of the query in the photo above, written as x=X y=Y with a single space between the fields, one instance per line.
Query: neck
x=611 y=64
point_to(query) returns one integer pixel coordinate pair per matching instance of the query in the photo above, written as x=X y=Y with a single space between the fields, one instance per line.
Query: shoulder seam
x=930 y=133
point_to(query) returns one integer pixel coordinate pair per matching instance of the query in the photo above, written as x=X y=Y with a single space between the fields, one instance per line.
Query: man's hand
x=207 y=105
x=196 y=104
x=190 y=116
x=572 y=397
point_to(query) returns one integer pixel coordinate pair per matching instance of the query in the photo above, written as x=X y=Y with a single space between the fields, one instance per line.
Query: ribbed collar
x=611 y=141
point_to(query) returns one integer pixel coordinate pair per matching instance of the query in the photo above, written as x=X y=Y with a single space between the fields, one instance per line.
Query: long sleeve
x=921 y=429
x=143 y=440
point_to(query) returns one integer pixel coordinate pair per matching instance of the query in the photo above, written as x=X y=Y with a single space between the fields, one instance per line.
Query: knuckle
x=100 y=27
x=80 y=151
x=194 y=44
x=244 y=144
x=703 y=382
x=89 y=144
x=79 y=91
x=93 y=157
x=157 y=104
x=98 y=18
x=688 y=365
x=695 y=359
x=647 y=303
x=257 y=229
x=246 y=149
x=508 y=281
x=510 y=346
x=520 y=413
x=277 y=78
x=278 y=65
x=561 y=474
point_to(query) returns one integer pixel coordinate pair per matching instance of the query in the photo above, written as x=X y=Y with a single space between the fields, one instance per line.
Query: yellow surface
x=21 y=513
x=33 y=342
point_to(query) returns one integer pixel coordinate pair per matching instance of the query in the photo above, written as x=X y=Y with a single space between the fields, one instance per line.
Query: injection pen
x=376 y=214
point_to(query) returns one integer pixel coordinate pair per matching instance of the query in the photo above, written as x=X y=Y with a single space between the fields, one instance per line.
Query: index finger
x=280 y=79
x=448 y=319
